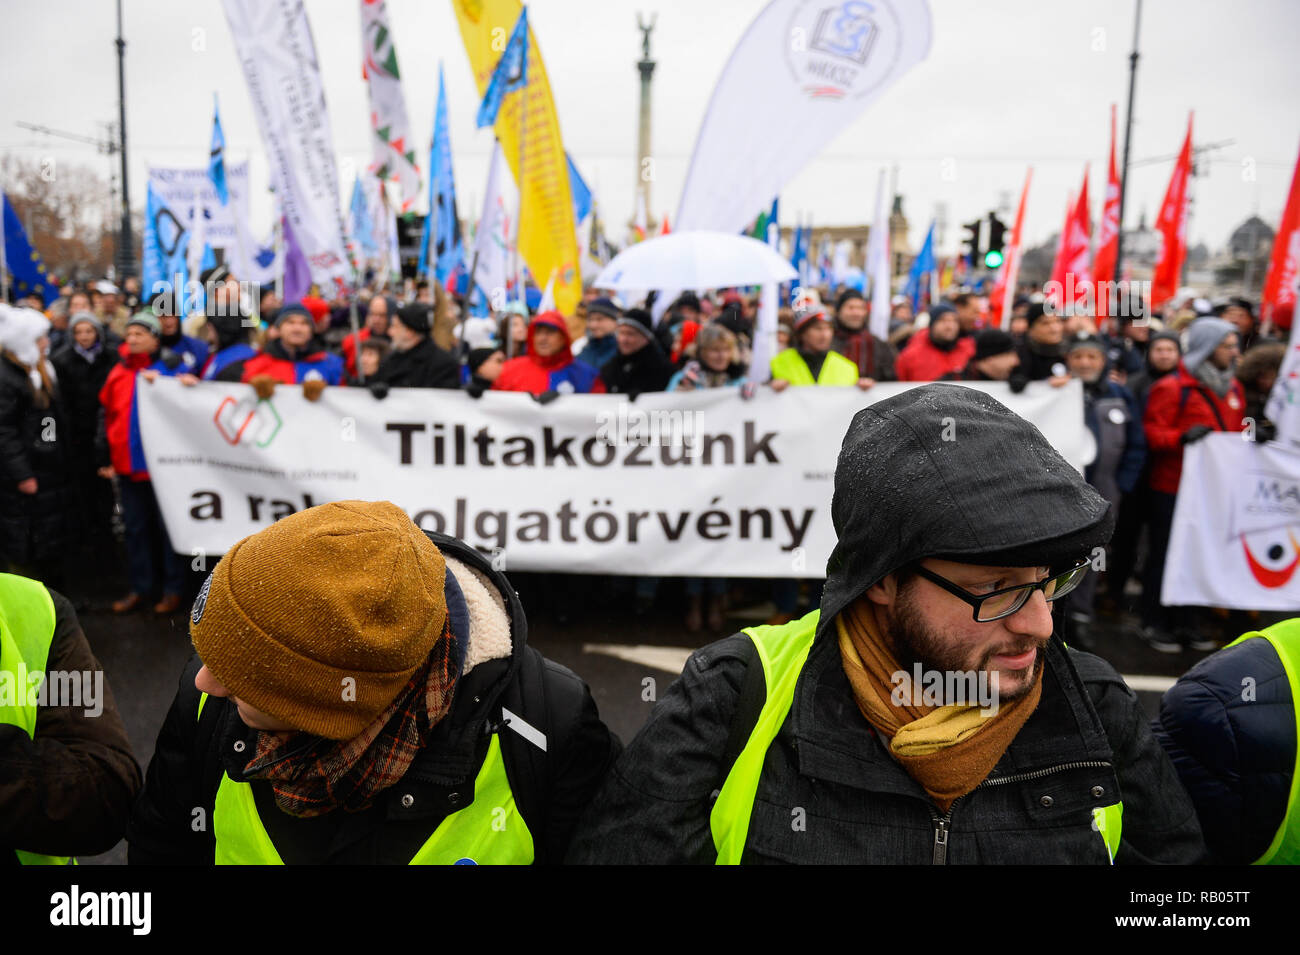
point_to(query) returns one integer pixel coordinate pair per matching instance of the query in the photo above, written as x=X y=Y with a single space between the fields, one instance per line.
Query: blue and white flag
x=166 y=243
x=581 y=192
x=359 y=222
x=446 y=251
x=511 y=72
x=217 y=159
x=922 y=265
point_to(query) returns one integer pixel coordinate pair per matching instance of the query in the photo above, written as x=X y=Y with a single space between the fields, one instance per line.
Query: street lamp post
x=125 y=258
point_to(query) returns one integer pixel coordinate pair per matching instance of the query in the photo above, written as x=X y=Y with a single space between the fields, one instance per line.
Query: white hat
x=105 y=287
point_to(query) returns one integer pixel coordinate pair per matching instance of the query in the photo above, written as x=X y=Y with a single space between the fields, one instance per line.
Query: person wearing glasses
x=926 y=712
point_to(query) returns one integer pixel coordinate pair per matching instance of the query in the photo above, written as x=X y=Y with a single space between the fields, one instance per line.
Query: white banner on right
x=1236 y=534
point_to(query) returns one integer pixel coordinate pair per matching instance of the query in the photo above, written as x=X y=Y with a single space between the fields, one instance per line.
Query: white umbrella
x=696 y=260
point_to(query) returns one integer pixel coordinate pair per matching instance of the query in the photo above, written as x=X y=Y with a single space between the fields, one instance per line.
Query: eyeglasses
x=1008 y=600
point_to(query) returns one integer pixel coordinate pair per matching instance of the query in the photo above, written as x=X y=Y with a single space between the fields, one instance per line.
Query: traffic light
x=971 y=244
x=993 y=257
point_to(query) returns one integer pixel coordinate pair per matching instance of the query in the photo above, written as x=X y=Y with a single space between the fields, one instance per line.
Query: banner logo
x=850 y=48
x=247 y=421
x=1266 y=518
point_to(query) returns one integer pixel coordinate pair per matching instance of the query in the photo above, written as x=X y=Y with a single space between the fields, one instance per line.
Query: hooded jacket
x=922 y=360
x=311 y=363
x=1086 y=744
x=560 y=372
x=192 y=753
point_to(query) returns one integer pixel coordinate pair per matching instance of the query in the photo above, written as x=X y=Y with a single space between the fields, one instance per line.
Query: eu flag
x=24 y=264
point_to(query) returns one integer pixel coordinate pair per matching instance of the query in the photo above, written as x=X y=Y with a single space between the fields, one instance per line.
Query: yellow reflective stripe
x=35 y=858
x=1284 y=849
x=1109 y=821
x=782 y=651
x=489 y=831
x=203 y=698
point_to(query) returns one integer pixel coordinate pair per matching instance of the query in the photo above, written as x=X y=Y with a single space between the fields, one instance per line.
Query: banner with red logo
x=1277 y=306
x=1103 y=264
x=1236 y=533
x=1172 y=226
x=691 y=484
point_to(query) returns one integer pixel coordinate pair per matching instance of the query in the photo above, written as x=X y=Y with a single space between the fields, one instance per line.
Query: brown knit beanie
x=321 y=619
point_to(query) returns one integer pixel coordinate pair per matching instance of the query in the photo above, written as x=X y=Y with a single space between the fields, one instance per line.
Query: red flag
x=1103 y=266
x=663 y=225
x=1071 y=269
x=1056 y=286
x=1000 y=303
x=1278 y=302
x=1172 y=226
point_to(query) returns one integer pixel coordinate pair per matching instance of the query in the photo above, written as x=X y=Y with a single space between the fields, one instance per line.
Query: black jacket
x=1234 y=751
x=1040 y=362
x=551 y=791
x=424 y=366
x=647 y=369
x=68 y=791
x=1086 y=745
x=34 y=443
x=79 y=383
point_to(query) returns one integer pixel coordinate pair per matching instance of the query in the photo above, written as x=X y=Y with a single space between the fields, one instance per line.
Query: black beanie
x=848 y=295
x=639 y=319
x=993 y=341
x=1036 y=311
x=479 y=355
x=415 y=317
x=295 y=308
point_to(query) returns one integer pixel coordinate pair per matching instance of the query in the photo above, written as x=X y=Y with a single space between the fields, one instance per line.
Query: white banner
x=1283 y=408
x=180 y=189
x=1236 y=535
x=275 y=48
x=704 y=484
x=817 y=63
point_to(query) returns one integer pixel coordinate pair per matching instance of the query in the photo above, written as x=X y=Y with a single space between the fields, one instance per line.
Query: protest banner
x=700 y=483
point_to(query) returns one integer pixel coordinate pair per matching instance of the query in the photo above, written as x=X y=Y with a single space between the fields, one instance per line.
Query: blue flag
x=441 y=247
x=217 y=159
x=165 y=243
x=580 y=190
x=922 y=265
x=511 y=72
x=363 y=229
x=24 y=264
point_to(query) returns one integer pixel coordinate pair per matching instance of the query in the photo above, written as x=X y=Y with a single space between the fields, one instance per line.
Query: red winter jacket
x=1176 y=403
x=118 y=398
x=921 y=361
x=558 y=372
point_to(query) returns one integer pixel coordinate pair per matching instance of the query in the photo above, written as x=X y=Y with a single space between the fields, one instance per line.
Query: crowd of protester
x=73 y=465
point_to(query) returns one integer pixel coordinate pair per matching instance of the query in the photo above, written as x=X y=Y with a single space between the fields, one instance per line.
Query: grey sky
x=1006 y=84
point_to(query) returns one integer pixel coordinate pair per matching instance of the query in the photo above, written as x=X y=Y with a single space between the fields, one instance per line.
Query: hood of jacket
x=562 y=357
x=999 y=494
x=1203 y=336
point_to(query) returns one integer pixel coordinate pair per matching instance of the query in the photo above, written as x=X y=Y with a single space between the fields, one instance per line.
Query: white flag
x=878 y=263
x=821 y=64
x=275 y=48
x=494 y=241
x=1283 y=408
x=390 y=130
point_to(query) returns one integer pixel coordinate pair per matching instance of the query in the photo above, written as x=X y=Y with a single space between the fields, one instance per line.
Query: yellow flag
x=549 y=239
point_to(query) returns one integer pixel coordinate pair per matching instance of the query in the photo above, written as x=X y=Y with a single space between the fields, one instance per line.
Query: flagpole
x=519 y=217
x=4 y=251
x=1128 y=141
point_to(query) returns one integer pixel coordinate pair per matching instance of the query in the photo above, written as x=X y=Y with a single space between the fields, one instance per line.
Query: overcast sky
x=1007 y=84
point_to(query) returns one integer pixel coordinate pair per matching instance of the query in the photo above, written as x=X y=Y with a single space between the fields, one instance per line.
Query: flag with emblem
x=23 y=264
x=394 y=150
x=441 y=246
x=511 y=72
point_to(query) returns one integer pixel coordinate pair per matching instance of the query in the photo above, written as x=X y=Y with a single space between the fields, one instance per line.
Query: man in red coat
x=937 y=350
x=549 y=367
x=1203 y=395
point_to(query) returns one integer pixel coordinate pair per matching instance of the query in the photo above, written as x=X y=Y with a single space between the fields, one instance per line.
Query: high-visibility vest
x=783 y=650
x=1285 y=638
x=27 y=621
x=489 y=831
x=789 y=366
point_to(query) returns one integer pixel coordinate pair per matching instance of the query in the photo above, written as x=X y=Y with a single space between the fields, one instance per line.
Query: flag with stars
x=26 y=271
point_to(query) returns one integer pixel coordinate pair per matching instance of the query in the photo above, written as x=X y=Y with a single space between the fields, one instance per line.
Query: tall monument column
x=644 y=164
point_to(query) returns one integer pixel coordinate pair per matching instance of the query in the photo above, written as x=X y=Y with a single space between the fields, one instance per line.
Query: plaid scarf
x=311 y=775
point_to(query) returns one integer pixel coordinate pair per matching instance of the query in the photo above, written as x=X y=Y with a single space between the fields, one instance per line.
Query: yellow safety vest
x=1285 y=638
x=27 y=621
x=489 y=831
x=783 y=650
x=789 y=366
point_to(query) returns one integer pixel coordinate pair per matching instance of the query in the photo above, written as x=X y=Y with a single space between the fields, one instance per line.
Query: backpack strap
x=1200 y=390
x=525 y=737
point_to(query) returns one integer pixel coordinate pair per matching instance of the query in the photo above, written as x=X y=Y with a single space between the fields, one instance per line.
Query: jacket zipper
x=943 y=824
